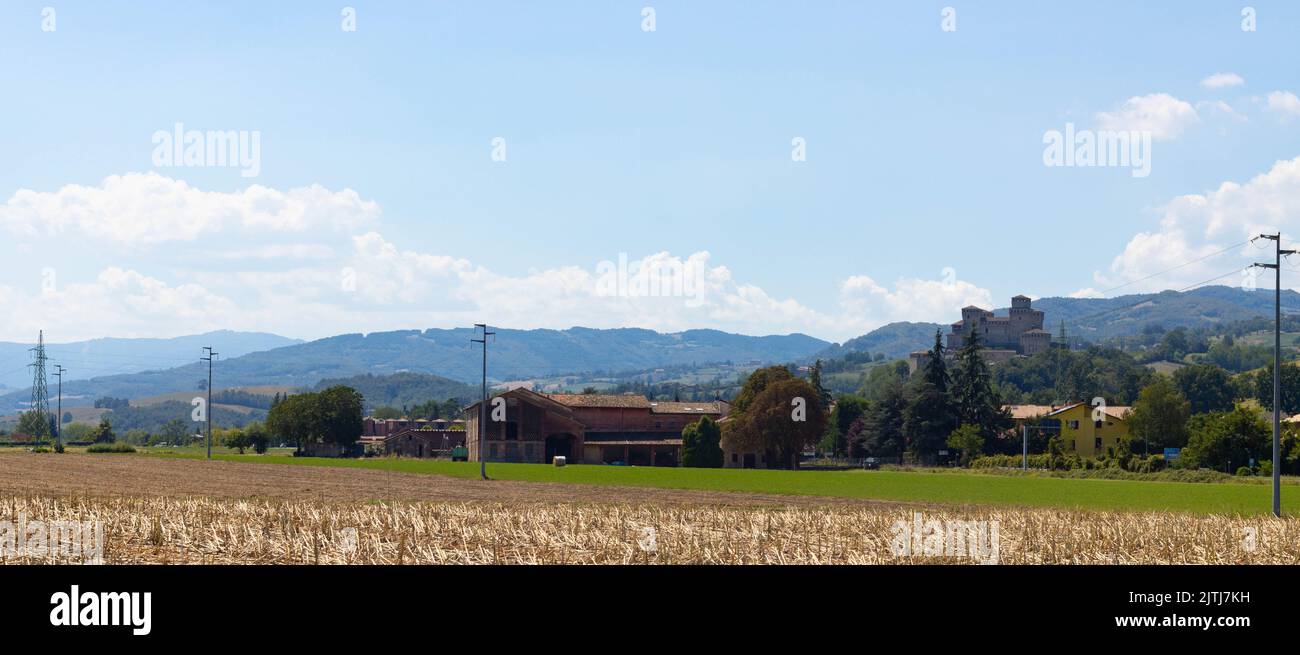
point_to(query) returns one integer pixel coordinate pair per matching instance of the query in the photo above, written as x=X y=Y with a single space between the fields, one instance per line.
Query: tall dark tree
x=976 y=401
x=936 y=369
x=702 y=444
x=882 y=430
x=848 y=409
x=815 y=379
x=930 y=416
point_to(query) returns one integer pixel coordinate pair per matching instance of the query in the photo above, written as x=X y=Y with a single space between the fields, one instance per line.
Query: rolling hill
x=449 y=353
x=1095 y=319
x=112 y=356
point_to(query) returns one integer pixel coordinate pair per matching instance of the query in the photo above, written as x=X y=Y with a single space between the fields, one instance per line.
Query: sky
x=756 y=167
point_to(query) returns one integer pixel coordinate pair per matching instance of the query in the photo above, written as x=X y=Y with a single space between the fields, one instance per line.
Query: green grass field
x=909 y=486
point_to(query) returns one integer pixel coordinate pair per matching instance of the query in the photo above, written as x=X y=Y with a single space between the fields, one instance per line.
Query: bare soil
x=116 y=475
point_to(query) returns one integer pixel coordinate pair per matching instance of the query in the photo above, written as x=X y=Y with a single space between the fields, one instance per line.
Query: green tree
x=702 y=444
x=289 y=419
x=237 y=439
x=968 y=440
x=1290 y=383
x=815 y=379
x=780 y=421
x=930 y=416
x=848 y=409
x=104 y=432
x=386 y=412
x=883 y=425
x=341 y=411
x=77 y=432
x=258 y=438
x=1224 y=441
x=34 y=423
x=975 y=400
x=1207 y=388
x=1159 y=417
x=175 y=431
x=756 y=383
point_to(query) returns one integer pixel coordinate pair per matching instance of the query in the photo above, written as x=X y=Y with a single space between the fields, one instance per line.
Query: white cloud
x=1284 y=103
x=118 y=302
x=1219 y=107
x=1161 y=114
x=140 y=209
x=911 y=299
x=1196 y=226
x=326 y=277
x=1221 y=80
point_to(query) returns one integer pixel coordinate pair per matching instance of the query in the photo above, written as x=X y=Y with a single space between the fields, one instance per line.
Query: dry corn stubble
x=204 y=530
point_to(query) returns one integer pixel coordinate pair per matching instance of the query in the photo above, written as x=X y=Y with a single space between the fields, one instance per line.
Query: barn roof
x=600 y=400
x=661 y=407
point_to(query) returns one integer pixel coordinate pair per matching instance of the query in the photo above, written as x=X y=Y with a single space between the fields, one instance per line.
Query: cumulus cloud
x=118 y=302
x=1284 y=103
x=1194 y=228
x=1221 y=80
x=142 y=209
x=332 y=272
x=1161 y=114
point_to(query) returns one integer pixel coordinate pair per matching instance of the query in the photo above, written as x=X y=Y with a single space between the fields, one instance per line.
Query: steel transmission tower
x=40 y=393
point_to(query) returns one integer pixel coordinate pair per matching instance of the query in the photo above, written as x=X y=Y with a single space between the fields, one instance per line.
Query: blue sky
x=923 y=188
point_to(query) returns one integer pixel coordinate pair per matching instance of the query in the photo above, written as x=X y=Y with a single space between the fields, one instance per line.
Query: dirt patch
x=135 y=476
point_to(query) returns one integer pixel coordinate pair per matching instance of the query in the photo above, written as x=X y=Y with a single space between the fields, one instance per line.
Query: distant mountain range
x=1095 y=319
x=141 y=366
x=513 y=354
x=112 y=356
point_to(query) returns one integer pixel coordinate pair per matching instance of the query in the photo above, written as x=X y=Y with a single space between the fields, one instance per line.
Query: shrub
x=115 y=447
x=1245 y=470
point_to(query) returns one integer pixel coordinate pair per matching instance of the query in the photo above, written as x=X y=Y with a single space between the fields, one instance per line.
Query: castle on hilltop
x=1019 y=333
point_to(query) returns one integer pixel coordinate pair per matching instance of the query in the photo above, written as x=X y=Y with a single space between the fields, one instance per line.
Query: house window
x=1074 y=425
x=1097 y=443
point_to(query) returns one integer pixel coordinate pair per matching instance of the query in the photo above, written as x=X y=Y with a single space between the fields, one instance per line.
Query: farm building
x=423 y=442
x=1087 y=436
x=587 y=428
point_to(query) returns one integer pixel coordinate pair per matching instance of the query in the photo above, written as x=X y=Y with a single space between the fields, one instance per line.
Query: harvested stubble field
x=181 y=511
x=205 y=530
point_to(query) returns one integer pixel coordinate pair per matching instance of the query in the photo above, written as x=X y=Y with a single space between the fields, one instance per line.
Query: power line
x=1147 y=297
x=1186 y=263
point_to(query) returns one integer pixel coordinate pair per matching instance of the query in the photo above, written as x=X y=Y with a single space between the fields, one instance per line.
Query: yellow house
x=1086 y=436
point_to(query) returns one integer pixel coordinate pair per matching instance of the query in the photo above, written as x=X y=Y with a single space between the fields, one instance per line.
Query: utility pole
x=1277 y=366
x=211 y=354
x=58 y=421
x=482 y=410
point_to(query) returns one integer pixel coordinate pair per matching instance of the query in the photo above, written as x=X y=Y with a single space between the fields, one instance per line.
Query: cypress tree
x=974 y=397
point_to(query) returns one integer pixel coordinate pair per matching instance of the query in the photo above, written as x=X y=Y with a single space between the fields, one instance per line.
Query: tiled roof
x=1028 y=411
x=600 y=400
x=1114 y=411
x=661 y=407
